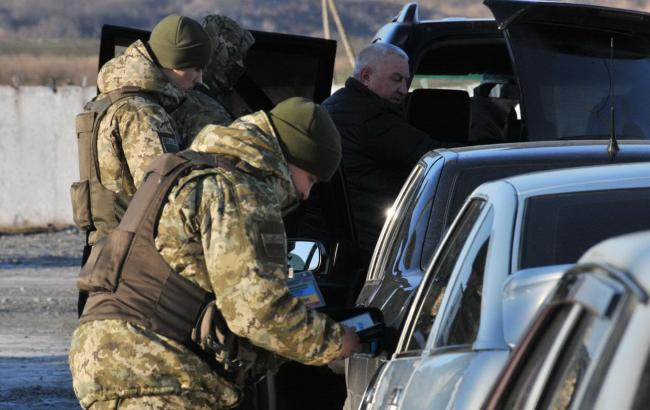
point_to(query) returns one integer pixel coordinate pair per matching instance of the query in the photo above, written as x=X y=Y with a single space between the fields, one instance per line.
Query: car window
x=557 y=229
x=471 y=177
x=405 y=231
x=642 y=396
x=533 y=361
x=463 y=64
x=572 y=365
x=483 y=106
x=460 y=324
x=439 y=276
x=467 y=181
x=406 y=250
x=569 y=81
x=567 y=352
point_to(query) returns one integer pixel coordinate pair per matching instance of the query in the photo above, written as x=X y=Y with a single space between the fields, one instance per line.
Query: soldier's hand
x=351 y=342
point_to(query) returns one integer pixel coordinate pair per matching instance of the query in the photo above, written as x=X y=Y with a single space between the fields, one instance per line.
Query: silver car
x=500 y=259
x=589 y=347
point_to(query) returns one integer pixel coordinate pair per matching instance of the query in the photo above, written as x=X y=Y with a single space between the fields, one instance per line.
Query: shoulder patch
x=169 y=142
x=273 y=242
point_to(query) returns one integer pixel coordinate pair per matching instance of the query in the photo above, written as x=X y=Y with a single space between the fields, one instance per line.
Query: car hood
x=574 y=63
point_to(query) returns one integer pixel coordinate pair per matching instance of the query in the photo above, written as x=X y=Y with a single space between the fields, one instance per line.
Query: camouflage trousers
x=197 y=401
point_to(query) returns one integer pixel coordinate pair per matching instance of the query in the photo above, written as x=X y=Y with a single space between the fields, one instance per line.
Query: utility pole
x=339 y=26
x=326 y=20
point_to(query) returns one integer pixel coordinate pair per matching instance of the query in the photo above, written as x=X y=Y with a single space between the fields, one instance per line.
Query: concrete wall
x=38 y=154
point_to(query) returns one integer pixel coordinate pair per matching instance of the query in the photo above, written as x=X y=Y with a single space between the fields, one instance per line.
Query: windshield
x=567 y=78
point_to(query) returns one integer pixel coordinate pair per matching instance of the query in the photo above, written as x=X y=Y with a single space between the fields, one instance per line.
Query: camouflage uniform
x=135 y=130
x=222 y=229
x=230 y=44
x=197 y=111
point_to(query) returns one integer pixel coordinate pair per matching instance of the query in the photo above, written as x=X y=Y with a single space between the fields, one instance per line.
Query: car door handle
x=394 y=397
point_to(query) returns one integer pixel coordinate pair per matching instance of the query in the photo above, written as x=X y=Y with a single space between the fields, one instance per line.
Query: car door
x=574 y=64
x=461 y=243
x=567 y=352
x=278 y=66
x=451 y=346
x=395 y=271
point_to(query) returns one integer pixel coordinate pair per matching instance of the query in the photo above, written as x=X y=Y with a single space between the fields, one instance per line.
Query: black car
x=540 y=71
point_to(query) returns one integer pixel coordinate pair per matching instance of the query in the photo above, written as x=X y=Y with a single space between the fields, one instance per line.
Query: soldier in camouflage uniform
x=227 y=62
x=138 y=90
x=137 y=129
x=230 y=43
x=222 y=230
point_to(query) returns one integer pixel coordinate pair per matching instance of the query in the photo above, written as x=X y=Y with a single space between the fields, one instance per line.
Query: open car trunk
x=574 y=63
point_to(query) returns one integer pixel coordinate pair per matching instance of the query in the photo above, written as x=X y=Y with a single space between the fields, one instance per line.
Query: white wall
x=38 y=154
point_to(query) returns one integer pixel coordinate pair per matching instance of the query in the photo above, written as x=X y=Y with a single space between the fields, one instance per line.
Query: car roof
x=629 y=253
x=497 y=153
x=413 y=35
x=480 y=23
x=590 y=178
x=457 y=19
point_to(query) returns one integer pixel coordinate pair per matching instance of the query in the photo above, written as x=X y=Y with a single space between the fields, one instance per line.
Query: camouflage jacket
x=223 y=230
x=197 y=111
x=230 y=43
x=135 y=130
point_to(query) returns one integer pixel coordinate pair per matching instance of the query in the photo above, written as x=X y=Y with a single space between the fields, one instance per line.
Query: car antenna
x=612 y=147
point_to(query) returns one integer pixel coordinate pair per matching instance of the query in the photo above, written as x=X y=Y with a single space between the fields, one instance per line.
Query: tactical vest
x=127 y=278
x=94 y=207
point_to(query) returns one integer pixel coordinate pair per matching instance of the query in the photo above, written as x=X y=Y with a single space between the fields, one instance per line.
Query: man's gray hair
x=374 y=54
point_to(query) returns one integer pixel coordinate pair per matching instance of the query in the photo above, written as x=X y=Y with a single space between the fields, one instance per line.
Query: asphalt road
x=37 y=317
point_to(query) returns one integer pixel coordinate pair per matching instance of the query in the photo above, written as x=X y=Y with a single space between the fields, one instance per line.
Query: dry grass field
x=52 y=62
x=50 y=70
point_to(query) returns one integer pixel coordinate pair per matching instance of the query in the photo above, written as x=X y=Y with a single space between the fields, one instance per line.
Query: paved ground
x=38 y=313
x=37 y=318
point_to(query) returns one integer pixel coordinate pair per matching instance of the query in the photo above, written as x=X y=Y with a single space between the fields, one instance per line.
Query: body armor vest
x=127 y=278
x=94 y=207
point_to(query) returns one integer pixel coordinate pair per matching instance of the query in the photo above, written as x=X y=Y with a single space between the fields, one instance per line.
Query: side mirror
x=306 y=254
x=523 y=294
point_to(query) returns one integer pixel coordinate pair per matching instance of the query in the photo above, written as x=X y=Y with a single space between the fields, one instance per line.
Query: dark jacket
x=379 y=150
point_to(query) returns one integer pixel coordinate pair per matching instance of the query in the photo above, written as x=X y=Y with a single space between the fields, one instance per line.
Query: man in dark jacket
x=379 y=147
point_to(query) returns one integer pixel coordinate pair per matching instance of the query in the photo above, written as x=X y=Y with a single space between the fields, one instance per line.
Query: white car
x=589 y=347
x=502 y=256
